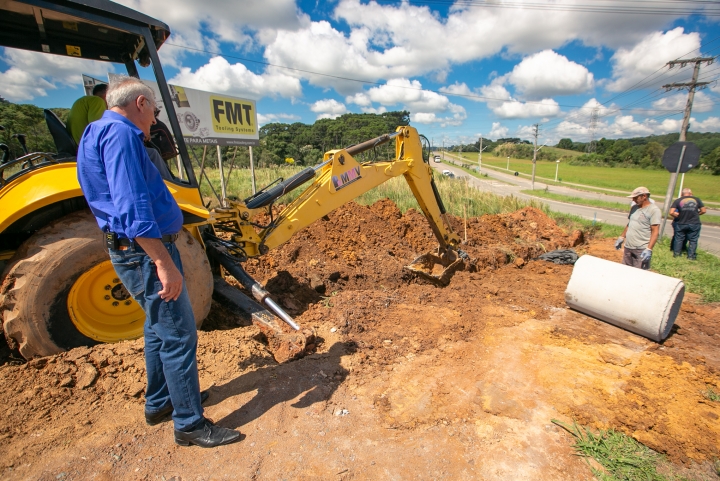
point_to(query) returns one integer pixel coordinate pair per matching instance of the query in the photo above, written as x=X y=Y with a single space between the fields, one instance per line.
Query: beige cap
x=639 y=191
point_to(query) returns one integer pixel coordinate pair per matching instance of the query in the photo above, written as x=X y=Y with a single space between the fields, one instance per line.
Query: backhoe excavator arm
x=341 y=178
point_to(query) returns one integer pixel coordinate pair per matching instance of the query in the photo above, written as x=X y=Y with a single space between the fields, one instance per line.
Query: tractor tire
x=60 y=290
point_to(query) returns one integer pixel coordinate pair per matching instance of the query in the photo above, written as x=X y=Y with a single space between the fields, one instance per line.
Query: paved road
x=504 y=184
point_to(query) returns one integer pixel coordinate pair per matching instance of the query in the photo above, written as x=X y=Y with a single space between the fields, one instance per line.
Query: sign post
x=679 y=158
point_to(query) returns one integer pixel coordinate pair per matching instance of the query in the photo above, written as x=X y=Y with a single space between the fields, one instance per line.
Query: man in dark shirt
x=686 y=212
x=141 y=220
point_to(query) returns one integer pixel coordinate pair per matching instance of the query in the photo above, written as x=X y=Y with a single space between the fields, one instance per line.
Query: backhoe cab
x=58 y=289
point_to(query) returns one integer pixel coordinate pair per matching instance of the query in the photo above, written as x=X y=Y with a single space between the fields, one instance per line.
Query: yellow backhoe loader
x=58 y=289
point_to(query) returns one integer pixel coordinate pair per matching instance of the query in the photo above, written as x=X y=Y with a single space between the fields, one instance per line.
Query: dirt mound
x=361 y=247
x=409 y=380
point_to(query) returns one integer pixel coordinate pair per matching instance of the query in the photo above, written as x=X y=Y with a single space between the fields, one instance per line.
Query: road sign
x=671 y=157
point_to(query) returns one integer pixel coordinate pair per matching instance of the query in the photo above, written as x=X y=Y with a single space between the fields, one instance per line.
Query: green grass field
x=705 y=186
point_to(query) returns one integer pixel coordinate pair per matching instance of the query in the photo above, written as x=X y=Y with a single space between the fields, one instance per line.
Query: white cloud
x=235 y=79
x=547 y=73
x=634 y=65
x=577 y=128
x=405 y=40
x=224 y=21
x=270 y=118
x=711 y=124
x=33 y=74
x=328 y=109
x=458 y=89
x=498 y=131
x=701 y=103
x=424 y=105
x=507 y=107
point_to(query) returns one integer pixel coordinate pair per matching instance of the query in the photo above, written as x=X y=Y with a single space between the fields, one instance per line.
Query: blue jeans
x=691 y=232
x=170 y=337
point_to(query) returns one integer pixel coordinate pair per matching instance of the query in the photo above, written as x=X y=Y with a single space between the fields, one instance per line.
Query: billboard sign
x=210 y=119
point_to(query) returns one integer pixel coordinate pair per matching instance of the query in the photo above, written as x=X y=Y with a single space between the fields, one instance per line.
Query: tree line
x=280 y=143
x=639 y=152
x=305 y=144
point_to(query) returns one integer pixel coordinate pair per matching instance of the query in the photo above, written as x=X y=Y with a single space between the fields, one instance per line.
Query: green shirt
x=638 y=233
x=85 y=110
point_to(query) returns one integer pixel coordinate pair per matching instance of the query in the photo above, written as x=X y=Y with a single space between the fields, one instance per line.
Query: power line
x=700 y=7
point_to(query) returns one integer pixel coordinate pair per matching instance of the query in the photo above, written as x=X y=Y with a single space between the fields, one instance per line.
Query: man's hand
x=619 y=242
x=169 y=275
x=646 y=255
x=171 y=279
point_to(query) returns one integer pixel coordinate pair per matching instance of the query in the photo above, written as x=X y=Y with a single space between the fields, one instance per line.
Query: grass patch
x=621 y=457
x=700 y=277
x=604 y=204
x=617 y=206
x=711 y=395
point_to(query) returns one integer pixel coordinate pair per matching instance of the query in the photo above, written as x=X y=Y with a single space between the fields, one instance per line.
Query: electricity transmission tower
x=593 y=126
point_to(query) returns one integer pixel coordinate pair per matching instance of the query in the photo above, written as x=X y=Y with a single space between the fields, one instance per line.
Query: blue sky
x=462 y=69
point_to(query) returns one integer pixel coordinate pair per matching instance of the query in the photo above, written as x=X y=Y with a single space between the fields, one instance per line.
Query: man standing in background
x=686 y=212
x=642 y=230
x=85 y=110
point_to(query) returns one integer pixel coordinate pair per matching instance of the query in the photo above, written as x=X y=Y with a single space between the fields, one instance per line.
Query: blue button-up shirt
x=122 y=186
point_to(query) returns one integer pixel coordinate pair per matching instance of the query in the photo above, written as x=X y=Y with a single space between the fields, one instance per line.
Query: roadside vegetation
x=619 y=457
x=603 y=204
x=456 y=194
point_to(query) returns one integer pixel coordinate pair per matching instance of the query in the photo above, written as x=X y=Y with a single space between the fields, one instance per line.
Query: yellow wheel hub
x=102 y=309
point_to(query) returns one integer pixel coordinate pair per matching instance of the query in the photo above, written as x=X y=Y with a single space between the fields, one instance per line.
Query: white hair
x=124 y=90
x=686 y=191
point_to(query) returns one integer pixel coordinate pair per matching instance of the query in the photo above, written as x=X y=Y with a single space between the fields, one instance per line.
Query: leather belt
x=115 y=242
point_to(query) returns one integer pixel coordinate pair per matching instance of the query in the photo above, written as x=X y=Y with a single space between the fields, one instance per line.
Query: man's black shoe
x=207 y=435
x=163 y=415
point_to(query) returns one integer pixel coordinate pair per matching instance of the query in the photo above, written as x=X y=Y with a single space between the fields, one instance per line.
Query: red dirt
x=408 y=381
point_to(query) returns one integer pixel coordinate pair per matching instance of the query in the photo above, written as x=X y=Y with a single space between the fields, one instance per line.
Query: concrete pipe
x=640 y=301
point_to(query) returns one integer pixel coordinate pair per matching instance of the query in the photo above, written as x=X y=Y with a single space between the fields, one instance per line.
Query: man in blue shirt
x=141 y=220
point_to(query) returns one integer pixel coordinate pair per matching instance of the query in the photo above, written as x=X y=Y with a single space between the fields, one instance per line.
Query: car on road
x=437 y=159
x=447 y=173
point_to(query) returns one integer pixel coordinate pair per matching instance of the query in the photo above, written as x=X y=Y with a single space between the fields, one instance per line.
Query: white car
x=447 y=173
x=437 y=159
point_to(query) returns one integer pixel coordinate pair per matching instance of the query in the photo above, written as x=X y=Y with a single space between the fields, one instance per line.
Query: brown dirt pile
x=408 y=381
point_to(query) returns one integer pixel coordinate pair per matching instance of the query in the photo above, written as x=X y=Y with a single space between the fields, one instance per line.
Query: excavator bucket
x=437 y=268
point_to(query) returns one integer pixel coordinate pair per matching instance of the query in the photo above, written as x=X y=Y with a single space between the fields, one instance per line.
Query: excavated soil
x=408 y=381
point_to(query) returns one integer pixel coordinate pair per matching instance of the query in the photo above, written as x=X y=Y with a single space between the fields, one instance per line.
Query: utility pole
x=480 y=156
x=691 y=86
x=535 y=149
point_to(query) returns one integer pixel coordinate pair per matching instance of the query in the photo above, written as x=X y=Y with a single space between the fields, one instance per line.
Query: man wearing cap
x=642 y=230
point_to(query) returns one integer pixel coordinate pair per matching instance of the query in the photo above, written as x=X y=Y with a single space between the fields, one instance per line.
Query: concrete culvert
x=640 y=301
